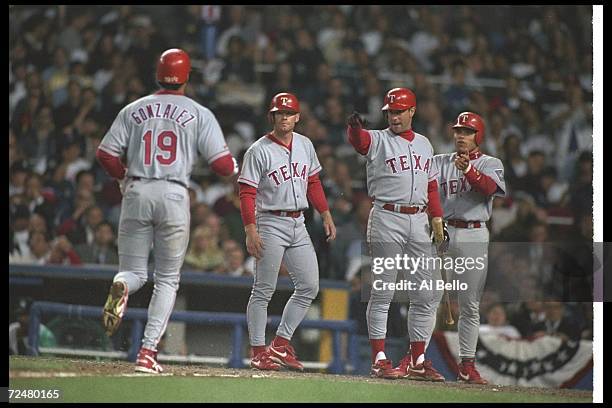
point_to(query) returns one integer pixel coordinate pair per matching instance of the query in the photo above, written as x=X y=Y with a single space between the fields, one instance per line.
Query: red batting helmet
x=399 y=99
x=472 y=121
x=173 y=67
x=284 y=102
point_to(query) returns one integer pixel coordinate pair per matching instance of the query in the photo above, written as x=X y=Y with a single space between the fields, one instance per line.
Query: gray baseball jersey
x=458 y=199
x=398 y=170
x=461 y=202
x=162 y=135
x=280 y=176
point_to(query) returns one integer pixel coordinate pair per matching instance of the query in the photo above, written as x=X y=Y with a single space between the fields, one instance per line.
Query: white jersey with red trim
x=161 y=135
x=280 y=174
x=458 y=198
x=398 y=170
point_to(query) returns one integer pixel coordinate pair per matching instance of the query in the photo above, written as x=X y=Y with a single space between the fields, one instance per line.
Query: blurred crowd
x=526 y=69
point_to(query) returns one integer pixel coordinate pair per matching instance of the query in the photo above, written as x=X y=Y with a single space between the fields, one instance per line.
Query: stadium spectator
x=19 y=343
x=204 y=252
x=528 y=317
x=102 y=250
x=558 y=322
x=63 y=253
x=36 y=201
x=496 y=323
x=39 y=250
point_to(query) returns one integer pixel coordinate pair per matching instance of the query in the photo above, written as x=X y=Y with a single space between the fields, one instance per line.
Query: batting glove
x=356 y=121
x=442 y=246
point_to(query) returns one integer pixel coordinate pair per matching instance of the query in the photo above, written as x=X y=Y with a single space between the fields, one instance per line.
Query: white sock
x=420 y=359
x=380 y=356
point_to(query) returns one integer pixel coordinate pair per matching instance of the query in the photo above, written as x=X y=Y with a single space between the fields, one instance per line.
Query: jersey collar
x=408 y=135
x=168 y=92
x=275 y=140
x=475 y=154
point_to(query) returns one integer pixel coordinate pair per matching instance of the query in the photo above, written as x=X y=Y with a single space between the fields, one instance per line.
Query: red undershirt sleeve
x=433 y=199
x=224 y=166
x=247 y=203
x=359 y=138
x=481 y=182
x=111 y=164
x=316 y=195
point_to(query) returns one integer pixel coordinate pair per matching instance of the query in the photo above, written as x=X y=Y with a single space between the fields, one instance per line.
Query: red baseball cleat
x=285 y=355
x=146 y=362
x=424 y=372
x=469 y=374
x=115 y=307
x=262 y=361
x=404 y=363
x=384 y=369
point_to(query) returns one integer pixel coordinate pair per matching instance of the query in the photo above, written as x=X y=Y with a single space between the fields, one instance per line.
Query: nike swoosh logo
x=464 y=377
x=421 y=371
x=279 y=354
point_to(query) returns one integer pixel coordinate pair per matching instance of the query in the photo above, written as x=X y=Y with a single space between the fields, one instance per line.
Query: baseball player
x=468 y=182
x=160 y=136
x=401 y=180
x=279 y=177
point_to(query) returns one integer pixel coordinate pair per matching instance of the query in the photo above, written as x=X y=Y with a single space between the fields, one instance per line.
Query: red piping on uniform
x=408 y=135
x=169 y=92
x=275 y=140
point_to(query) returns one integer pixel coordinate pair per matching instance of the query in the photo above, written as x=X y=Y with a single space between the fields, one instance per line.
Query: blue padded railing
x=235 y=320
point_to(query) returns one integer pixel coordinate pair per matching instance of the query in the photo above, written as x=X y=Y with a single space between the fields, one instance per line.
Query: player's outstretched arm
x=358 y=137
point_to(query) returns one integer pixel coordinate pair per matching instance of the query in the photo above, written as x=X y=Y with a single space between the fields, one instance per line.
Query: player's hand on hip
x=254 y=243
x=356 y=121
x=329 y=226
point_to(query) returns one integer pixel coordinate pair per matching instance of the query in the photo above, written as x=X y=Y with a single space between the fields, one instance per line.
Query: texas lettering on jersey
x=401 y=163
x=458 y=198
x=284 y=174
x=162 y=111
x=280 y=174
x=398 y=170
x=455 y=186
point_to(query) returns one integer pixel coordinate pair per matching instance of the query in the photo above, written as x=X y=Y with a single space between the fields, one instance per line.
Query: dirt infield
x=51 y=367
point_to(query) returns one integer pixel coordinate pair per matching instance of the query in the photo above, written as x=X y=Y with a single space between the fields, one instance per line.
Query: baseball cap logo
x=391 y=98
x=463 y=118
x=284 y=100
